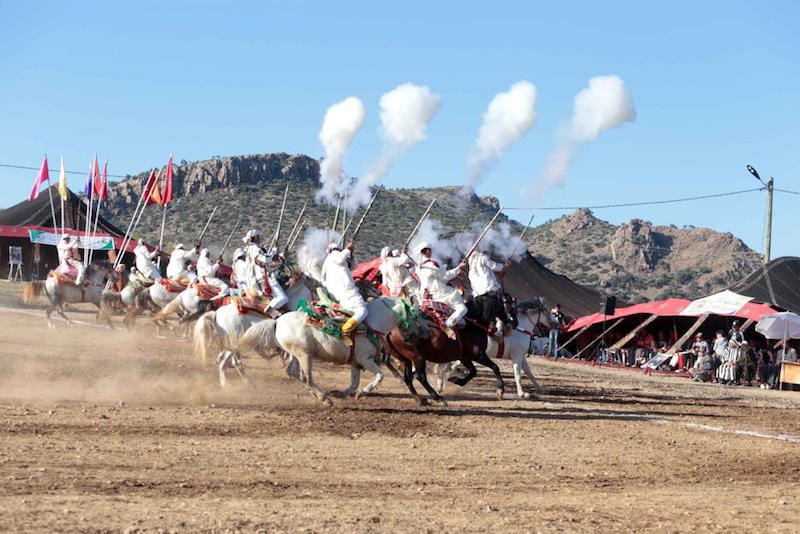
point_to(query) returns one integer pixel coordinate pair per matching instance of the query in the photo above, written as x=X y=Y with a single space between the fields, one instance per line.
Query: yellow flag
x=62 y=181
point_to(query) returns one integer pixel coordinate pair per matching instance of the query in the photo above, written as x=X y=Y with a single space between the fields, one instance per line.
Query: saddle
x=437 y=311
x=173 y=286
x=205 y=291
x=246 y=304
x=65 y=279
x=328 y=316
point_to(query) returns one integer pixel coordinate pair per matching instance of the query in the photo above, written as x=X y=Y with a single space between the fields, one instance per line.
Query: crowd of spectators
x=727 y=358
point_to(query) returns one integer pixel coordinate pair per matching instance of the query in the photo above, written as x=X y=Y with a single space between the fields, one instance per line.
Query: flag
x=41 y=178
x=167 y=197
x=88 y=188
x=98 y=184
x=152 y=193
x=102 y=192
x=62 y=181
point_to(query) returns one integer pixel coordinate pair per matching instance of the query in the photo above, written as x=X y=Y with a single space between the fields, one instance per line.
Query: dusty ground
x=104 y=430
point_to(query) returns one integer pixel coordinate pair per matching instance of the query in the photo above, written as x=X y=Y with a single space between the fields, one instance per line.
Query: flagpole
x=90 y=198
x=161 y=237
x=52 y=207
x=126 y=239
x=62 y=216
x=94 y=233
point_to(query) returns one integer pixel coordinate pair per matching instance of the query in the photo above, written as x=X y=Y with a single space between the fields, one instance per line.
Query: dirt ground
x=112 y=430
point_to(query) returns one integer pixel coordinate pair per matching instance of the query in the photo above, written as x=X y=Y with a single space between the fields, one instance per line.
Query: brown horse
x=437 y=347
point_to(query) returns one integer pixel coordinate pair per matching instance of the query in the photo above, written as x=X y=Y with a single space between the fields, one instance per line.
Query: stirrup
x=449 y=332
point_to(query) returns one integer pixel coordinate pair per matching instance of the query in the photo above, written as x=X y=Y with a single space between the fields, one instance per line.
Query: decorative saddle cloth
x=174 y=286
x=257 y=305
x=437 y=311
x=205 y=291
x=65 y=279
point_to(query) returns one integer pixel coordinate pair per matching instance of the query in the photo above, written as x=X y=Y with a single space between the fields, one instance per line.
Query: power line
x=787 y=191
x=53 y=170
x=647 y=203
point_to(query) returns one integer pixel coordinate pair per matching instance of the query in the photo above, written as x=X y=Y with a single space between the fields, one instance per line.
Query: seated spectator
x=766 y=370
x=719 y=348
x=703 y=368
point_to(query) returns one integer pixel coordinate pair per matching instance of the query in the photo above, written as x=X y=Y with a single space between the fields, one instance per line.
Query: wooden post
x=688 y=334
x=598 y=338
x=619 y=344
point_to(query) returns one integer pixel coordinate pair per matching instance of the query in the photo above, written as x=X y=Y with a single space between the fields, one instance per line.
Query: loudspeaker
x=608 y=305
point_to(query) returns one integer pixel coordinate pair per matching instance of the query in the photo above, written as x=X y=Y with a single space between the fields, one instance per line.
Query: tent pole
x=686 y=335
x=601 y=336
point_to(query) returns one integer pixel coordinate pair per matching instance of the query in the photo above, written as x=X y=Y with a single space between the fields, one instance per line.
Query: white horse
x=58 y=294
x=303 y=341
x=153 y=298
x=517 y=349
x=225 y=326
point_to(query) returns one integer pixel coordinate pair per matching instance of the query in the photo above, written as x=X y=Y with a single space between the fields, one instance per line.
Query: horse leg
x=483 y=359
x=371 y=366
x=408 y=379
x=421 y=374
x=527 y=368
x=355 y=380
x=61 y=313
x=293 y=368
x=305 y=366
x=223 y=362
x=237 y=363
x=521 y=393
x=471 y=372
x=47 y=312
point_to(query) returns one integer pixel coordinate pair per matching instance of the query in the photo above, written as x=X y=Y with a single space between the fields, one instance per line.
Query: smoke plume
x=498 y=242
x=604 y=104
x=314 y=249
x=342 y=121
x=508 y=118
x=406 y=112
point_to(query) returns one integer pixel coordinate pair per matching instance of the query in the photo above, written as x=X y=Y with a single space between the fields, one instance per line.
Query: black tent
x=776 y=284
x=18 y=220
x=528 y=278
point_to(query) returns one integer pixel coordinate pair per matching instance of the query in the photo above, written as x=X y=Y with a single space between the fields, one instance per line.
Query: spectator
x=746 y=365
x=556 y=320
x=703 y=368
x=766 y=370
x=720 y=347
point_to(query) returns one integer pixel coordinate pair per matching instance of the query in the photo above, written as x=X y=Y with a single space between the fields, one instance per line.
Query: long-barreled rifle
x=483 y=234
x=419 y=223
x=363 y=216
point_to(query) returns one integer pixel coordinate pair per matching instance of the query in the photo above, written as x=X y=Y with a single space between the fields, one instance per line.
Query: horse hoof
x=526 y=395
x=440 y=402
x=421 y=401
x=335 y=393
x=326 y=401
x=499 y=394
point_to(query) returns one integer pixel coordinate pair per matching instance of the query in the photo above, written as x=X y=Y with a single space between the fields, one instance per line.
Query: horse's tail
x=32 y=290
x=205 y=332
x=260 y=338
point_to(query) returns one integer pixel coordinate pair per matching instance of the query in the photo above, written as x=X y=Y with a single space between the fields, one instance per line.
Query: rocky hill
x=635 y=261
x=639 y=261
x=251 y=188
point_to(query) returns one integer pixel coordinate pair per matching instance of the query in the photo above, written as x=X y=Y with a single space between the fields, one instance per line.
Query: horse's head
x=510 y=310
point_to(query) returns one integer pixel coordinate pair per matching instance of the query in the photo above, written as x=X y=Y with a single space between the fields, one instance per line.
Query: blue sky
x=715 y=86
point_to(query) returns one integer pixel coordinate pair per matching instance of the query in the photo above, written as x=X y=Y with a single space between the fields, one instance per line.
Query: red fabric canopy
x=368 y=270
x=660 y=308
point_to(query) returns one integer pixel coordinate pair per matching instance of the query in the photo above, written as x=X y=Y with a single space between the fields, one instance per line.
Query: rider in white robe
x=338 y=280
x=207 y=271
x=394 y=272
x=433 y=279
x=144 y=261
x=257 y=260
x=68 y=261
x=482 y=279
x=176 y=269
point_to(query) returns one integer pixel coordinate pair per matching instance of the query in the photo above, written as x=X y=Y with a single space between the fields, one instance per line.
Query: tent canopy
x=725 y=303
x=776 y=284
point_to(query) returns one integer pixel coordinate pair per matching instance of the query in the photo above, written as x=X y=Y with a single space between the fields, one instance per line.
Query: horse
x=291 y=333
x=516 y=345
x=153 y=298
x=59 y=293
x=226 y=325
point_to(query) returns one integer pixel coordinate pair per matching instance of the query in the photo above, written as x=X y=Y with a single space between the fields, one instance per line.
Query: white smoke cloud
x=314 y=249
x=603 y=105
x=498 y=242
x=342 y=121
x=508 y=118
x=406 y=112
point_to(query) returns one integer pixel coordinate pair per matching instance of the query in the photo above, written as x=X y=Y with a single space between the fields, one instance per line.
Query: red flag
x=98 y=185
x=41 y=178
x=103 y=192
x=152 y=193
x=167 y=196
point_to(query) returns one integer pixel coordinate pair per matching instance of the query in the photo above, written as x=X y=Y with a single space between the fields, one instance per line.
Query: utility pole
x=768 y=236
x=769 y=186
